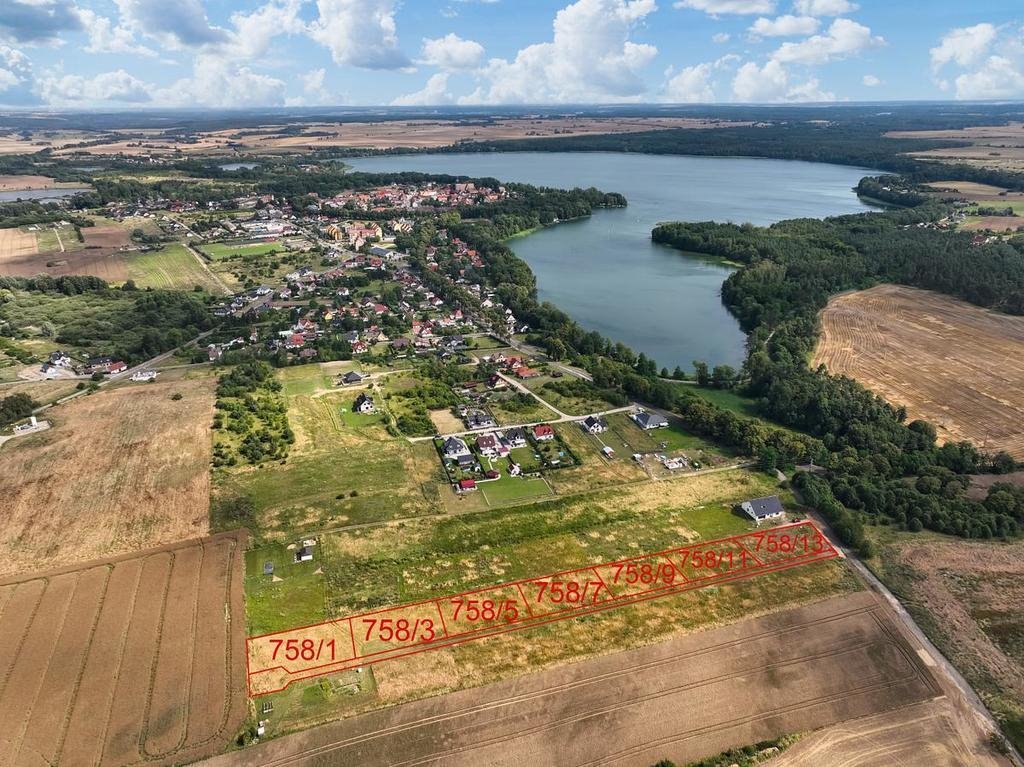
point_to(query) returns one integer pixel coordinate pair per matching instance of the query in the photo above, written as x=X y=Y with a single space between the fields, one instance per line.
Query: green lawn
x=510 y=489
x=173 y=268
x=623 y=430
x=292 y=596
x=729 y=400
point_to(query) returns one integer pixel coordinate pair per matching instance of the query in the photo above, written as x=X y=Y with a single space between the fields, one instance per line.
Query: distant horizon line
x=485 y=108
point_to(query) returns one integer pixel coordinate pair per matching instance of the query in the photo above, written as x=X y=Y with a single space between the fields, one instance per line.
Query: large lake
x=605 y=271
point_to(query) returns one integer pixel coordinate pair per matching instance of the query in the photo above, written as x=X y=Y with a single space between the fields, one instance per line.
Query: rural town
x=556 y=414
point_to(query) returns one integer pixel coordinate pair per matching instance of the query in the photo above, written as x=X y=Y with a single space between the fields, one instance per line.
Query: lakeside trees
x=789 y=271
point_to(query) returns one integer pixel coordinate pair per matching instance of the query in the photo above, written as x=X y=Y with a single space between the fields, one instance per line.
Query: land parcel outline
x=277 y=659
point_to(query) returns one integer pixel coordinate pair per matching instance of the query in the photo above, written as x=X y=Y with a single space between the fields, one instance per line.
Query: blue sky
x=245 y=53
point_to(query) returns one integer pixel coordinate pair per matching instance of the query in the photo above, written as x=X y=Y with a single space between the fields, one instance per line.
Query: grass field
x=587 y=399
x=173 y=268
x=344 y=468
x=946 y=361
x=220 y=251
x=123 y=468
x=727 y=399
x=417 y=559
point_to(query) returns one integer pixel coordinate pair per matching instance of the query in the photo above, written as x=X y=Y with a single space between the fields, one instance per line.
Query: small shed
x=268 y=568
x=305 y=554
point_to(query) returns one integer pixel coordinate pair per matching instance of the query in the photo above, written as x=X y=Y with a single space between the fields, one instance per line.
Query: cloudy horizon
x=118 y=54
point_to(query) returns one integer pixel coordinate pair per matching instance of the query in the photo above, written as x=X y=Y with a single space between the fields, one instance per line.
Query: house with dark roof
x=594 y=425
x=646 y=420
x=364 y=404
x=352 y=377
x=763 y=509
x=454 y=447
x=515 y=437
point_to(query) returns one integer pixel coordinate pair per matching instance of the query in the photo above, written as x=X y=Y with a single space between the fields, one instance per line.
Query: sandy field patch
x=1012 y=131
x=990 y=146
x=683 y=699
x=16 y=245
x=993 y=223
x=956 y=365
x=446 y=422
x=123 y=469
x=110 y=236
x=135 y=660
x=25 y=183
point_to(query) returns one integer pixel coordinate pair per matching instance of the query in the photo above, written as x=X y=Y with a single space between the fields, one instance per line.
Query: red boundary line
x=828 y=552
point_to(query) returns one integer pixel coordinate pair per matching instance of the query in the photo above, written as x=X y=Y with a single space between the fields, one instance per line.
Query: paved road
x=147 y=365
x=562 y=419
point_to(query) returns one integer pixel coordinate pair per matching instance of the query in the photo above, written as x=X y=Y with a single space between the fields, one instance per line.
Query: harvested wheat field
x=683 y=699
x=136 y=660
x=927 y=734
x=946 y=361
x=122 y=469
x=15 y=245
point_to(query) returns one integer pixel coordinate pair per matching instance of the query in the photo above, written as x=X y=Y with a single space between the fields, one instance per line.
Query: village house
x=105 y=365
x=364 y=404
x=515 y=437
x=454 y=447
x=646 y=420
x=543 y=432
x=594 y=425
x=763 y=509
x=353 y=377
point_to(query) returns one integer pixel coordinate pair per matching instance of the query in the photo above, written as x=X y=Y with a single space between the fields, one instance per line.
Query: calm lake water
x=605 y=271
x=43 y=195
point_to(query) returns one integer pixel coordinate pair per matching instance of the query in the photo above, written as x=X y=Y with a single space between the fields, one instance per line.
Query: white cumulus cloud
x=591 y=58
x=434 y=92
x=451 y=52
x=359 y=33
x=71 y=90
x=217 y=82
x=717 y=7
x=771 y=82
x=105 y=37
x=990 y=61
x=784 y=26
x=691 y=85
x=998 y=78
x=824 y=7
x=844 y=38
x=964 y=46
x=871 y=81
x=175 y=23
